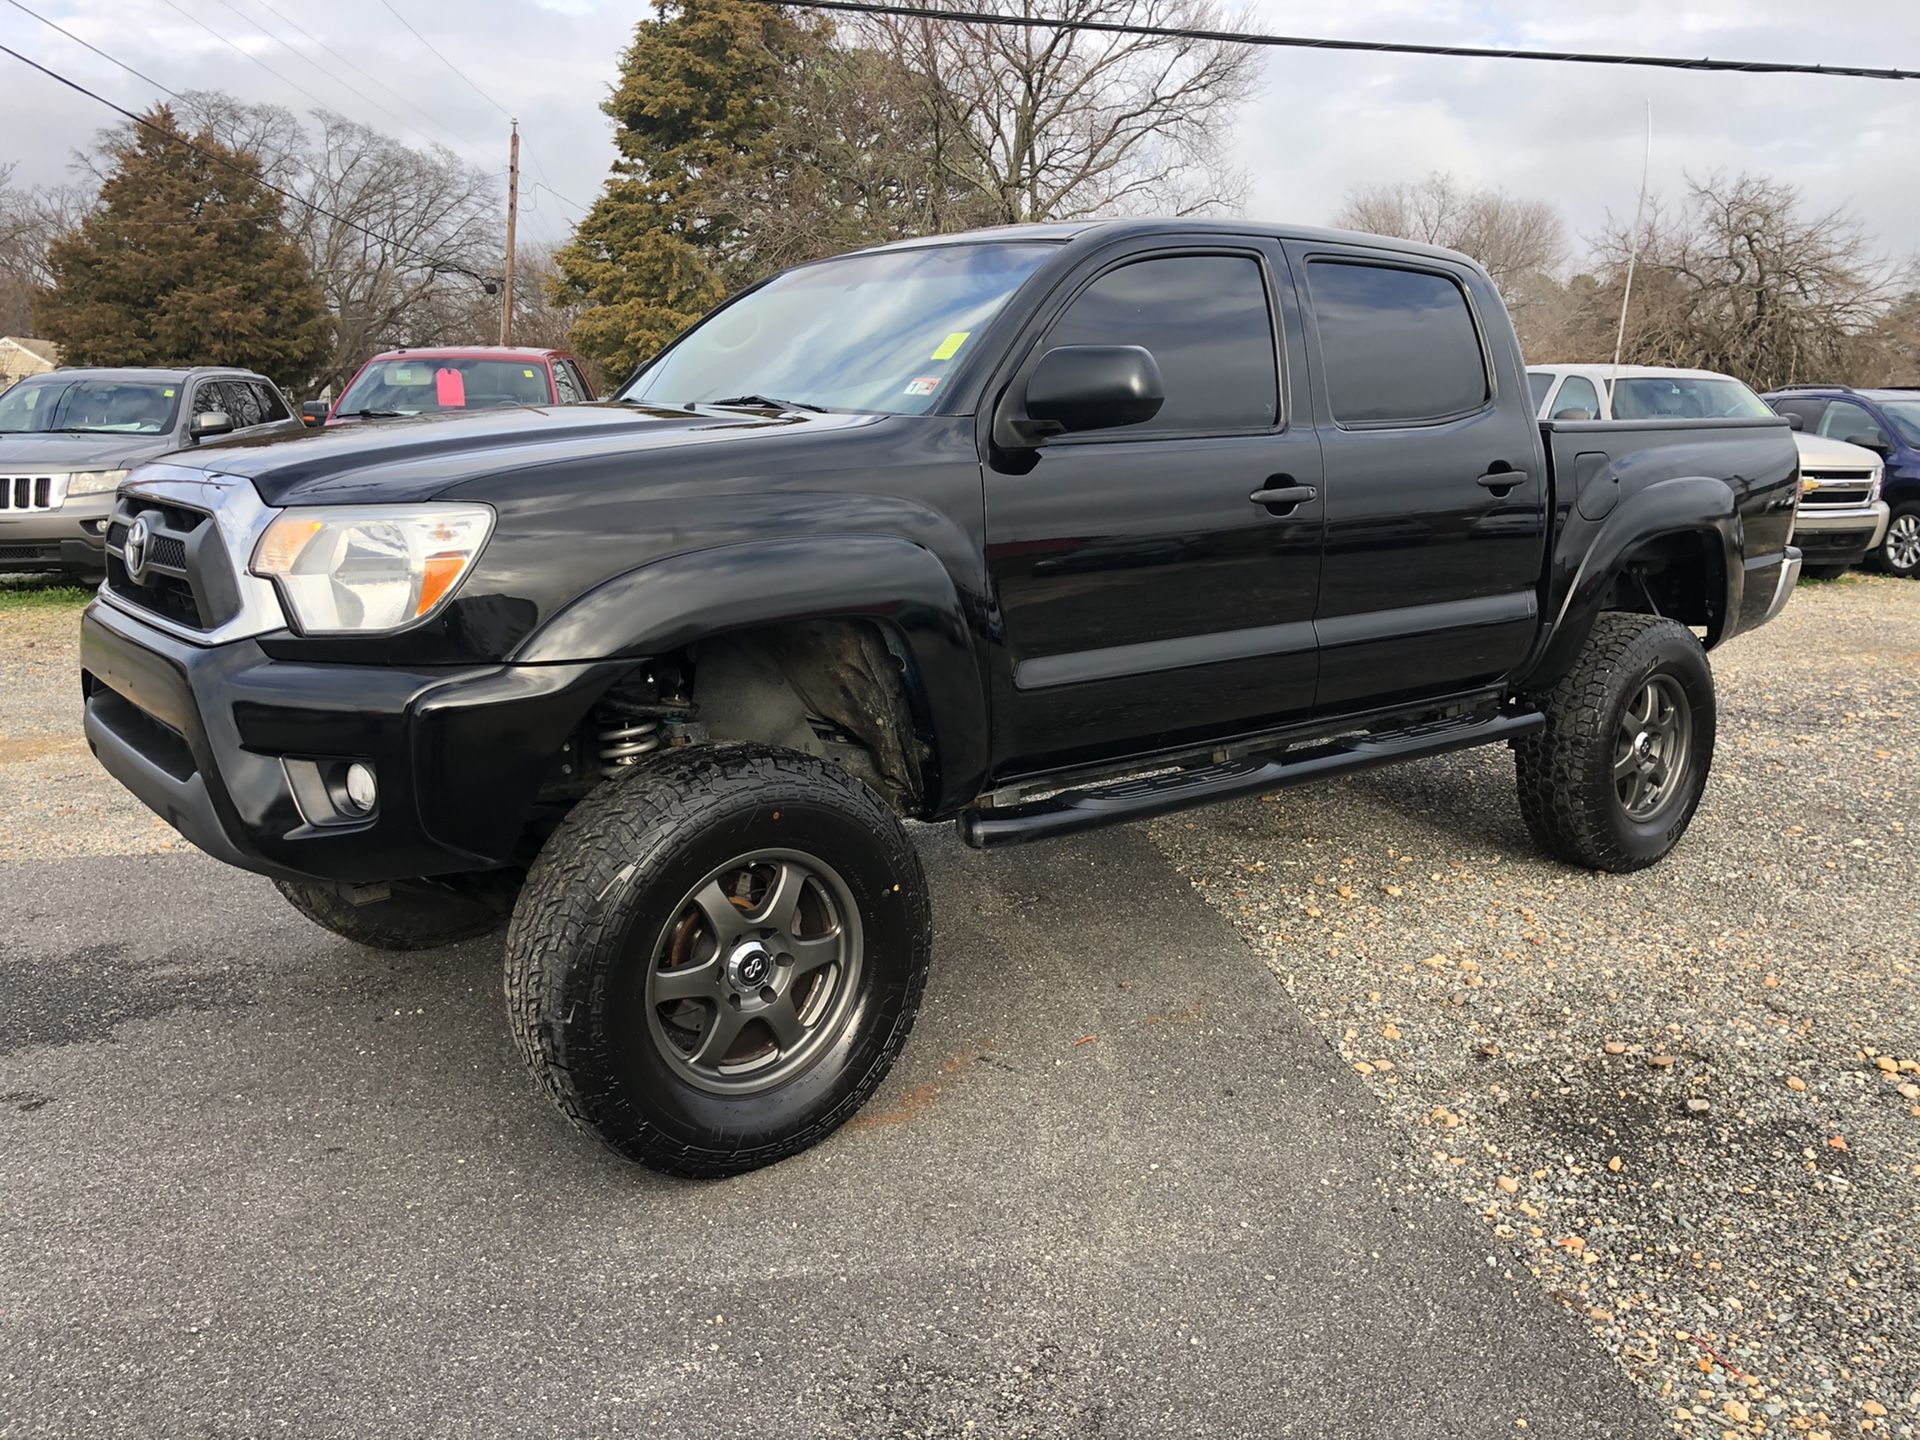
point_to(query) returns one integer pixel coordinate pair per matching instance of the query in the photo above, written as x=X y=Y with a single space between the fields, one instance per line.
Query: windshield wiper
x=375 y=414
x=767 y=401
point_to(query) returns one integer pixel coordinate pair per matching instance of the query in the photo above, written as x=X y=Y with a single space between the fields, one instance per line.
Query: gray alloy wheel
x=1902 y=545
x=754 y=974
x=1653 y=745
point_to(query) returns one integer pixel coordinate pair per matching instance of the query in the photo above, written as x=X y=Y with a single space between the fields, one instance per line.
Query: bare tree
x=1047 y=124
x=1515 y=240
x=30 y=221
x=1741 y=278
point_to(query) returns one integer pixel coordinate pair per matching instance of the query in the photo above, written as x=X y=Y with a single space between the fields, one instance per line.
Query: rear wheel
x=1899 y=553
x=408 y=914
x=717 y=957
x=1613 y=780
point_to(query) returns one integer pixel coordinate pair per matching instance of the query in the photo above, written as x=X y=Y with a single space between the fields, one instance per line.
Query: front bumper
x=72 y=538
x=1840 y=534
x=223 y=742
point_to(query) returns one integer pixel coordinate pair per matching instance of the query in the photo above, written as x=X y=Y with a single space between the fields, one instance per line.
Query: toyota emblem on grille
x=134 y=551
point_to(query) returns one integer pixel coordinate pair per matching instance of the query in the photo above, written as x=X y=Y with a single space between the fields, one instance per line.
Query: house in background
x=21 y=357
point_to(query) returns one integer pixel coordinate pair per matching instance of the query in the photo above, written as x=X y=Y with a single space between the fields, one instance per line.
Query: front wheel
x=1613 y=780
x=717 y=957
x=1899 y=553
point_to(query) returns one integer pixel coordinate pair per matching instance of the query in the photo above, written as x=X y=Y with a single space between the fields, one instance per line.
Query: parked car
x=1842 y=517
x=68 y=437
x=1036 y=529
x=435 y=381
x=1886 y=421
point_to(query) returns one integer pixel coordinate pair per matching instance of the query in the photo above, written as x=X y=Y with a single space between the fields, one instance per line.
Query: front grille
x=27 y=492
x=185 y=577
x=1836 y=487
x=26 y=553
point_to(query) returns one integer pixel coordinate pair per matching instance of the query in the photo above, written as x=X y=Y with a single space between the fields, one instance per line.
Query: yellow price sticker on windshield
x=166 y=394
x=950 y=346
x=527 y=373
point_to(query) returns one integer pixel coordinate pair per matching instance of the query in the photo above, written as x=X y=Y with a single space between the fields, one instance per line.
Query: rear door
x=1436 y=517
x=1147 y=596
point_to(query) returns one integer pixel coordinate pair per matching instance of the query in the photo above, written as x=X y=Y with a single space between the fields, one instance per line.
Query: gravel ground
x=56 y=799
x=1689 y=1099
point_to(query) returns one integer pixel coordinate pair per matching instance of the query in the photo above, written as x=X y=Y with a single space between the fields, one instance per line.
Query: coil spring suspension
x=623 y=738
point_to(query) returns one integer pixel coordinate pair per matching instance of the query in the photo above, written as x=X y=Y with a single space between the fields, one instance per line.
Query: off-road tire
x=1880 y=557
x=1567 y=792
x=596 y=906
x=412 y=914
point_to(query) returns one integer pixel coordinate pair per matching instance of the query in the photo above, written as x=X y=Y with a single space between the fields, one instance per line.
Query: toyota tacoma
x=1033 y=529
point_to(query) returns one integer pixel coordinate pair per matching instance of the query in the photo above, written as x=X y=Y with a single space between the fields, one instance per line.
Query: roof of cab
x=164 y=374
x=1058 y=232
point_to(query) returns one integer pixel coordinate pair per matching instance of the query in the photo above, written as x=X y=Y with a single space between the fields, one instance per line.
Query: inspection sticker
x=925 y=385
x=950 y=346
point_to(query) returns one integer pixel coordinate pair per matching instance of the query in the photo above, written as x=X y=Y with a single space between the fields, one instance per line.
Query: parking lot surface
x=1127 y=1180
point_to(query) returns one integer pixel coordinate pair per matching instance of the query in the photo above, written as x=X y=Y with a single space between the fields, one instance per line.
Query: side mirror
x=1091 y=387
x=1573 y=413
x=314 y=412
x=209 y=423
x=1795 y=422
x=1876 y=443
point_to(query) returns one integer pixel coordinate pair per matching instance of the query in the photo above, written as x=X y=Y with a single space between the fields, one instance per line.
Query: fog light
x=362 y=791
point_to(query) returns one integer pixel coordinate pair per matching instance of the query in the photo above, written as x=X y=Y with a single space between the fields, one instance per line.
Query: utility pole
x=513 y=217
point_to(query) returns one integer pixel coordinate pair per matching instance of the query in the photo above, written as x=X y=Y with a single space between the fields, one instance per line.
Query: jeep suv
x=1886 y=421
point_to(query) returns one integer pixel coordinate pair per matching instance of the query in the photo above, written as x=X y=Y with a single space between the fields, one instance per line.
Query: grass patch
x=40 y=592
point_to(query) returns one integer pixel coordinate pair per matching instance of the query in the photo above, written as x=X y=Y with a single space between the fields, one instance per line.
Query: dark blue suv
x=1885 y=420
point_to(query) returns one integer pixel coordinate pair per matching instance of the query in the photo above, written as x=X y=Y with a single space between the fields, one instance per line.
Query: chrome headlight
x=358 y=569
x=94 y=482
x=1873 y=486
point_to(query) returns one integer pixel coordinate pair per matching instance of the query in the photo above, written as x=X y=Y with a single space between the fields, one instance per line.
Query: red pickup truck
x=432 y=381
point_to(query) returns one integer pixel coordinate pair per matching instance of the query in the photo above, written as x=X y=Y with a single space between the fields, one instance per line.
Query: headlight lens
x=94 y=482
x=365 y=568
x=1873 y=489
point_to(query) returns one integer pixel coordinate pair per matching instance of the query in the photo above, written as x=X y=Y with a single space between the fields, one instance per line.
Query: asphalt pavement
x=255 y=1180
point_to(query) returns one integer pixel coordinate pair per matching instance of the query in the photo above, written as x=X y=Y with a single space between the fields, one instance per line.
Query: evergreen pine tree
x=185 y=261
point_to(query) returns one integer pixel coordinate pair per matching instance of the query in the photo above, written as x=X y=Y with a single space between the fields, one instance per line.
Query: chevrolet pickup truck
x=1033 y=529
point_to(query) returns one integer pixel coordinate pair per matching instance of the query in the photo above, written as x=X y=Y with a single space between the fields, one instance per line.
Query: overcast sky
x=1321 y=123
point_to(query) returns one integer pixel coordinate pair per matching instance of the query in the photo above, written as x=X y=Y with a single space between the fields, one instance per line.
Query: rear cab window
x=1399 y=344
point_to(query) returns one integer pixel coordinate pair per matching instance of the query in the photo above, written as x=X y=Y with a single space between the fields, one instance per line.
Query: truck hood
x=423 y=456
x=48 y=452
x=1821 y=451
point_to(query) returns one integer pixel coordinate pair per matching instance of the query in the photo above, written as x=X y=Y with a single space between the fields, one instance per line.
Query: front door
x=1435 y=508
x=1147 y=596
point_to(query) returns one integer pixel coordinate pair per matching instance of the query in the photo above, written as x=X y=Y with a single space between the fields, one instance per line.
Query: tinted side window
x=1539 y=385
x=1809 y=412
x=243 y=403
x=579 y=379
x=1205 y=320
x=563 y=384
x=1845 y=420
x=272 y=407
x=1399 y=345
x=1578 y=394
x=209 y=395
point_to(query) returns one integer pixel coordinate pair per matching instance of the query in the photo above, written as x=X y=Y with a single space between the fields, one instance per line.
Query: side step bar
x=1097 y=805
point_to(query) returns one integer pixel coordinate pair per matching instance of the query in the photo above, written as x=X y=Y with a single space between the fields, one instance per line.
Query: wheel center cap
x=750 y=966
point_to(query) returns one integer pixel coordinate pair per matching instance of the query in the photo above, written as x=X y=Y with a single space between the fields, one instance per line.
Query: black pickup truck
x=1035 y=529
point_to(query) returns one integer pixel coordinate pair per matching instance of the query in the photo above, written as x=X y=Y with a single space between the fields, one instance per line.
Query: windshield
x=1904 y=416
x=875 y=332
x=1685 y=397
x=89 y=407
x=432 y=384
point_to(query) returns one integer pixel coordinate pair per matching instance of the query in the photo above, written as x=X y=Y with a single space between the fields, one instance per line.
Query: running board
x=1142 y=799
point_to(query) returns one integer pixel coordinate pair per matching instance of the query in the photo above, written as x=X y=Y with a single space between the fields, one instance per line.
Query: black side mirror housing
x=1090 y=387
x=209 y=423
x=1795 y=422
x=1876 y=443
x=314 y=412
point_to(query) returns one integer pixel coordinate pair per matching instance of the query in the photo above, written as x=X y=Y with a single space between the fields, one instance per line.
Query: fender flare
x=1683 y=505
x=904 y=588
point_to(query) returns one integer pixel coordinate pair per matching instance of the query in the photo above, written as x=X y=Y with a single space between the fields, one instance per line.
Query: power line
x=137 y=74
x=1375 y=47
x=226 y=41
x=234 y=165
x=443 y=60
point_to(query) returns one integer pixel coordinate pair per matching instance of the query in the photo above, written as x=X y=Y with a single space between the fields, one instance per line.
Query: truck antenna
x=1633 y=250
